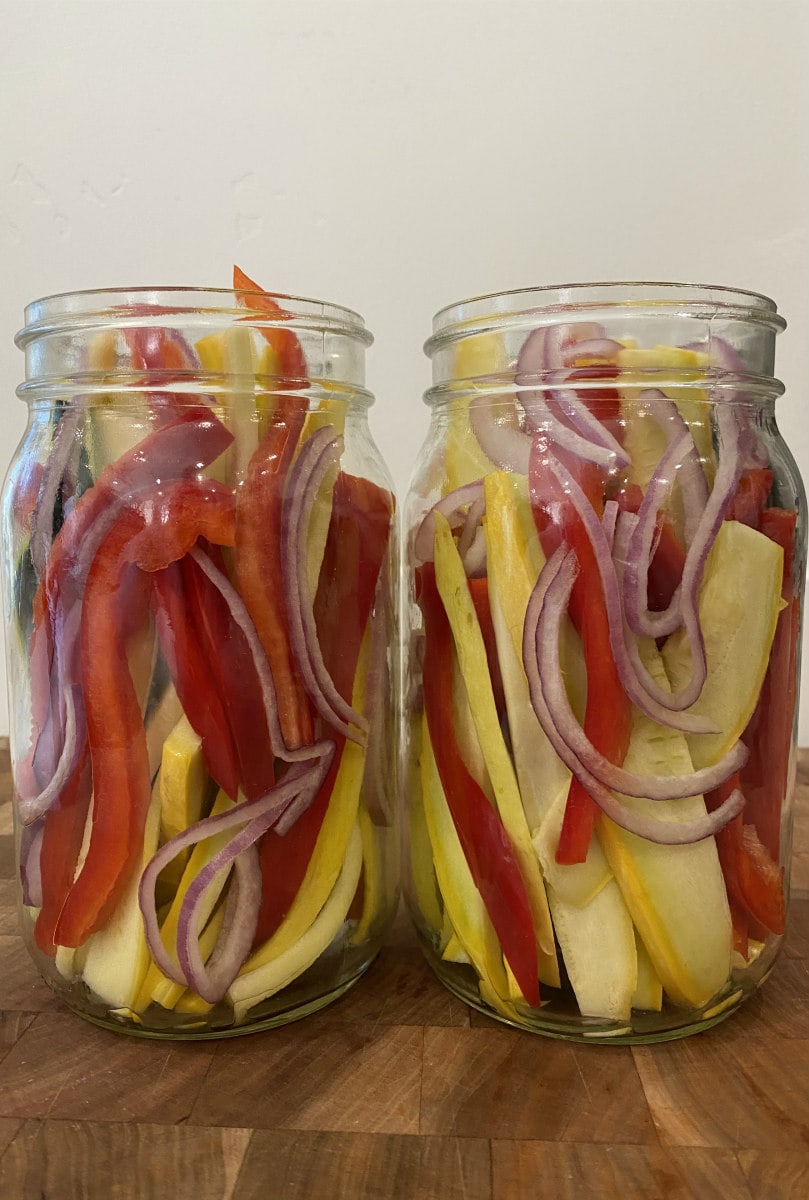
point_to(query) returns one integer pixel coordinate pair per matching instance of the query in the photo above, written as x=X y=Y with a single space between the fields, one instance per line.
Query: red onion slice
x=376 y=784
x=240 y=615
x=254 y=817
x=212 y=979
x=450 y=506
x=317 y=457
x=541 y=654
x=494 y=423
x=31 y=864
x=640 y=550
x=662 y=707
x=474 y=560
x=546 y=607
x=726 y=358
x=31 y=807
x=65 y=445
x=544 y=353
x=471 y=525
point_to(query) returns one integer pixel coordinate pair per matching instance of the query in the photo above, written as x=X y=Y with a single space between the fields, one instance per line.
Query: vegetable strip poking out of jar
x=632 y=536
x=202 y=851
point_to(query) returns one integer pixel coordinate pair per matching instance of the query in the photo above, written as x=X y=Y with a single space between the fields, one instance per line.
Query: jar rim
x=496 y=310
x=65 y=311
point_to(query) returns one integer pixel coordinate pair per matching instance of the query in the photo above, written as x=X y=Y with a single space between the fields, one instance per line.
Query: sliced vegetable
x=118 y=754
x=453 y=589
x=486 y=845
x=739 y=602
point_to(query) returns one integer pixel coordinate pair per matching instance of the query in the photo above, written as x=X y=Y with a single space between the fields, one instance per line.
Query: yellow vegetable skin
x=464 y=461
x=454 y=591
x=675 y=894
x=461 y=897
x=116 y=958
x=739 y=603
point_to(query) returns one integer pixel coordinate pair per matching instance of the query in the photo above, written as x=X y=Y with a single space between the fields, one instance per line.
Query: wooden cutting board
x=399 y=1091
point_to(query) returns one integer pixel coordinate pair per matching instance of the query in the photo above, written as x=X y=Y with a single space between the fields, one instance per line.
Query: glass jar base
x=559 y=1018
x=269 y=1015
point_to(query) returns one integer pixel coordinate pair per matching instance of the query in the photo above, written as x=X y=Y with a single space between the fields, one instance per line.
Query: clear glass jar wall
x=605 y=554
x=199 y=570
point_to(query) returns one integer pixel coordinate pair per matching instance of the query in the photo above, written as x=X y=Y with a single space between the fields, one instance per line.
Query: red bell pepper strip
x=191 y=674
x=751 y=495
x=284 y=860
x=233 y=674
x=258 y=524
x=285 y=343
x=118 y=753
x=486 y=845
x=258 y=571
x=62 y=838
x=357 y=540
x=193 y=439
x=607 y=718
x=479 y=591
x=160 y=351
x=356 y=544
x=177 y=515
x=765 y=777
x=754 y=882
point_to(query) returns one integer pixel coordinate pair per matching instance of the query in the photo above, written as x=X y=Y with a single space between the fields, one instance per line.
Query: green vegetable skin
x=636 y=923
x=335 y=847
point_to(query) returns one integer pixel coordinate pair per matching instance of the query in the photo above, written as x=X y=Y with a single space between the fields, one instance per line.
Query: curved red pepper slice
x=285 y=343
x=258 y=523
x=62 y=837
x=479 y=591
x=258 y=567
x=751 y=495
x=117 y=740
x=177 y=515
x=356 y=544
x=190 y=671
x=233 y=675
x=754 y=882
x=486 y=845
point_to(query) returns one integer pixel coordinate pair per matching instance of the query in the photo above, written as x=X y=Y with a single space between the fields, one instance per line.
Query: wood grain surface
x=398 y=1091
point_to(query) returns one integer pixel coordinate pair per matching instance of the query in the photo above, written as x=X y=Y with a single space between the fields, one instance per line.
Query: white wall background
x=398 y=156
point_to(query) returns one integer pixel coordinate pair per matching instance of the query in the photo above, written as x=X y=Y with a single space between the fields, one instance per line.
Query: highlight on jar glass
x=199 y=570
x=605 y=558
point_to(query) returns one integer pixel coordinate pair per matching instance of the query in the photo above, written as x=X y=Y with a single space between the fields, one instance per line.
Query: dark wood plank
x=500 y=1083
x=776 y=1176
x=400 y=989
x=62 y=1067
x=81 y=1160
x=9 y=923
x=8 y=864
x=339 y=1166
x=22 y=988
x=796 y=943
x=328 y=1075
x=723 y=1090
x=558 y=1171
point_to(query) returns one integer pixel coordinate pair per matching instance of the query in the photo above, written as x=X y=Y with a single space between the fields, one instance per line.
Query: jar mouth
x=529 y=305
x=81 y=310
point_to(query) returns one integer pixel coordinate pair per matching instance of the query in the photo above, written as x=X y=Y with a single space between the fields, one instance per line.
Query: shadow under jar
x=606 y=545
x=199 y=547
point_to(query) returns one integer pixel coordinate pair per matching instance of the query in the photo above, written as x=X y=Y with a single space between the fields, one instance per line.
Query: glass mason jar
x=604 y=567
x=199 y=547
